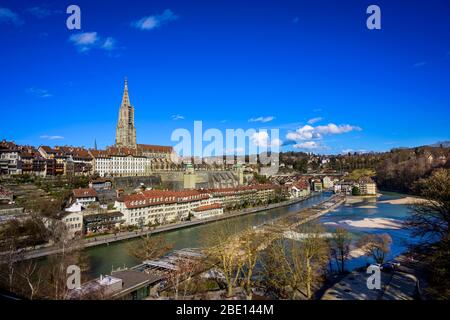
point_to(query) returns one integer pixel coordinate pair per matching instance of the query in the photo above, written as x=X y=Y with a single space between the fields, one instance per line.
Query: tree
x=356 y=191
x=376 y=246
x=224 y=253
x=340 y=247
x=250 y=243
x=70 y=253
x=357 y=174
x=280 y=276
x=313 y=254
x=292 y=267
x=32 y=275
x=149 y=247
x=182 y=276
x=430 y=218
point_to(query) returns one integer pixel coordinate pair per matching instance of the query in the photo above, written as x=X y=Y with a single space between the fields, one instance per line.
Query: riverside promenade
x=48 y=250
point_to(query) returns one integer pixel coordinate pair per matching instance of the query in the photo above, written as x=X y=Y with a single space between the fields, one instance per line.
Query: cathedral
x=126 y=131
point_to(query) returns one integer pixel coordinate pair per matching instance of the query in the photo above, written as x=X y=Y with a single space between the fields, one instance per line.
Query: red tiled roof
x=241 y=189
x=155 y=197
x=84 y=193
x=302 y=184
x=208 y=207
x=154 y=148
x=99 y=153
x=122 y=151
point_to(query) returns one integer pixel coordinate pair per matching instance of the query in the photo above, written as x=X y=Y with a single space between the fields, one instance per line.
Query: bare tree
x=292 y=267
x=313 y=256
x=251 y=241
x=32 y=275
x=430 y=218
x=280 y=275
x=340 y=247
x=429 y=221
x=376 y=246
x=149 y=247
x=224 y=253
x=181 y=277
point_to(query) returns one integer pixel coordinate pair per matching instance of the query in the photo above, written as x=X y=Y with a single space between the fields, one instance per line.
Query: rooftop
x=84 y=193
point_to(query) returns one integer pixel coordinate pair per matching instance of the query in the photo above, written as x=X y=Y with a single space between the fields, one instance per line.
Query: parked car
x=389 y=266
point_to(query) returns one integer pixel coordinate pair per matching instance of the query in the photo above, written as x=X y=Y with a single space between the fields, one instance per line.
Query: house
x=327 y=182
x=84 y=196
x=100 y=184
x=299 y=189
x=9 y=159
x=73 y=222
x=128 y=284
x=367 y=186
x=102 y=221
x=317 y=185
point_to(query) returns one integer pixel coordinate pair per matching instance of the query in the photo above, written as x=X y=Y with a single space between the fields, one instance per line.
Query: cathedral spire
x=125 y=130
x=125 y=98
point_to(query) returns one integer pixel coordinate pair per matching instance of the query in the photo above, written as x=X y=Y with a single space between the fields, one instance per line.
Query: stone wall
x=174 y=180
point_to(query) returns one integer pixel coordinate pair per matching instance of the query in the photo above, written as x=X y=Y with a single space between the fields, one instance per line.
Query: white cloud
x=308 y=132
x=331 y=128
x=41 y=13
x=86 y=41
x=261 y=119
x=40 y=93
x=109 y=44
x=155 y=21
x=10 y=17
x=309 y=145
x=314 y=120
x=51 y=137
x=261 y=139
x=177 y=117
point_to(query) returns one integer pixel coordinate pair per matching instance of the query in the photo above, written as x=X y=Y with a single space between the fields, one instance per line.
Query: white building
x=327 y=182
x=73 y=222
x=160 y=206
x=84 y=196
x=120 y=162
x=208 y=211
x=299 y=189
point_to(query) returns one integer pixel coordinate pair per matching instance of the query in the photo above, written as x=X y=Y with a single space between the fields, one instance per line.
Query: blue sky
x=231 y=64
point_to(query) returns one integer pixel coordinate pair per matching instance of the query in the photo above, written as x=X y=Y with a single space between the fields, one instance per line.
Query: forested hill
x=396 y=170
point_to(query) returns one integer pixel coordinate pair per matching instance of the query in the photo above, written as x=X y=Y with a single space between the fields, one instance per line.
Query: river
x=104 y=258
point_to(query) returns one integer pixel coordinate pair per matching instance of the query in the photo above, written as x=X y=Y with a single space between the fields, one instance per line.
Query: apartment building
x=160 y=206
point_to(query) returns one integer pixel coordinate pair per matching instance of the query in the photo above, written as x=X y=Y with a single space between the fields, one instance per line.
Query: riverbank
x=406 y=201
x=123 y=236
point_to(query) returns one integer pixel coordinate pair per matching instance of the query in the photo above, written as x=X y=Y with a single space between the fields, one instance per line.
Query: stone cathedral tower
x=126 y=131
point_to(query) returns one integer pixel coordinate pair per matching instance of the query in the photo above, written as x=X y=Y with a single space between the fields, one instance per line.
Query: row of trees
x=244 y=260
x=36 y=279
x=429 y=221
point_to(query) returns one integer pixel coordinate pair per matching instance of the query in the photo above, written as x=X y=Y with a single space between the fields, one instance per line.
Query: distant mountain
x=445 y=144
